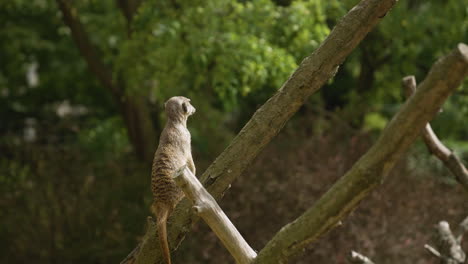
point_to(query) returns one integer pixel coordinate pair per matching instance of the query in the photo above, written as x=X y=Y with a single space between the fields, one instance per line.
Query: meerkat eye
x=184 y=107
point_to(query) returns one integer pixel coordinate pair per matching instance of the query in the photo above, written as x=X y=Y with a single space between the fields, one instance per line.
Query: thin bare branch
x=268 y=120
x=449 y=249
x=464 y=226
x=435 y=146
x=358 y=258
x=432 y=250
x=444 y=77
x=207 y=207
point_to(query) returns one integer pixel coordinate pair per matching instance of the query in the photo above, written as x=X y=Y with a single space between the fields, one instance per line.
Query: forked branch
x=448 y=246
x=434 y=145
x=366 y=174
x=269 y=119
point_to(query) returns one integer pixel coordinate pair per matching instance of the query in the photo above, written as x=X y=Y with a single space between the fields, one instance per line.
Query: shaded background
x=79 y=123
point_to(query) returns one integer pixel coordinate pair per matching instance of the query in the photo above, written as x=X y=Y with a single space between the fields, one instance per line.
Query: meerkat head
x=179 y=108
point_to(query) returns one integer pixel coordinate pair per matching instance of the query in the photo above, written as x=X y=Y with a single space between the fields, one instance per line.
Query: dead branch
x=448 y=249
x=434 y=145
x=464 y=226
x=269 y=119
x=358 y=258
x=207 y=207
x=366 y=174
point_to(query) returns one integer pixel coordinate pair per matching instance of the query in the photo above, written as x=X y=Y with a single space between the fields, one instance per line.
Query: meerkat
x=174 y=151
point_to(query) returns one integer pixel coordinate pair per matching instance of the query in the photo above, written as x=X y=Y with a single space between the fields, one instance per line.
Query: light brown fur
x=174 y=151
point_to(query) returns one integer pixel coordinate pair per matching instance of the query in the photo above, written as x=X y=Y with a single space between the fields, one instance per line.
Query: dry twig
x=207 y=207
x=434 y=145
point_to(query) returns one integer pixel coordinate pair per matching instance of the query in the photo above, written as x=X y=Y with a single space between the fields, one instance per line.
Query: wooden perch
x=207 y=207
x=358 y=258
x=371 y=169
x=435 y=146
x=268 y=120
x=449 y=249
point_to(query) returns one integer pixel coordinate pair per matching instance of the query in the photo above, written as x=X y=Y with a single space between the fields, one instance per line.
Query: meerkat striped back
x=173 y=152
x=162 y=185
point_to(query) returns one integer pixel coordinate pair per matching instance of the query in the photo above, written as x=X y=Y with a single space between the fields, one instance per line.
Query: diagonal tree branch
x=314 y=71
x=207 y=208
x=87 y=50
x=366 y=174
x=435 y=146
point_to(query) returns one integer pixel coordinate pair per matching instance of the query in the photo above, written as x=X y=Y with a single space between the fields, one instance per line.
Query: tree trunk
x=140 y=128
x=268 y=120
x=133 y=108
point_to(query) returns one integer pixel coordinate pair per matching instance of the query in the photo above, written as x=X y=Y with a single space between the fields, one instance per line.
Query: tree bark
x=449 y=247
x=445 y=76
x=207 y=208
x=314 y=71
x=435 y=146
x=141 y=130
x=87 y=50
x=133 y=109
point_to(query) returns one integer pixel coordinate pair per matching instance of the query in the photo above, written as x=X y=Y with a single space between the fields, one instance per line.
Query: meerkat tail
x=162 y=231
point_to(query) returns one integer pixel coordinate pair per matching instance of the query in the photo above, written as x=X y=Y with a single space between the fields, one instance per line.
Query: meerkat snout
x=188 y=108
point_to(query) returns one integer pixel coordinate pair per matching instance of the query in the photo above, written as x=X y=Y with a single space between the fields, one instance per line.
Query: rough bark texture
x=314 y=71
x=435 y=146
x=134 y=110
x=444 y=77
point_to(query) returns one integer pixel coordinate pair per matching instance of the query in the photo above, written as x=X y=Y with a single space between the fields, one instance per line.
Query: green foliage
x=226 y=49
x=77 y=195
x=59 y=205
x=35 y=39
x=107 y=139
x=374 y=121
x=407 y=42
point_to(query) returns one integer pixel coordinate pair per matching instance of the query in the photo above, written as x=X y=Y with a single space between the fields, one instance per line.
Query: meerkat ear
x=184 y=107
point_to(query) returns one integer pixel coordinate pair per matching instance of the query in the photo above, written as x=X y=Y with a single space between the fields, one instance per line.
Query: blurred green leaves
x=226 y=49
x=106 y=140
x=80 y=183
